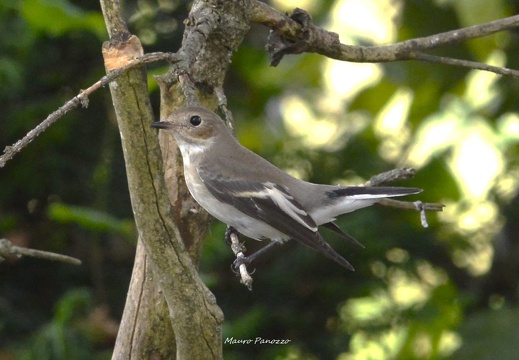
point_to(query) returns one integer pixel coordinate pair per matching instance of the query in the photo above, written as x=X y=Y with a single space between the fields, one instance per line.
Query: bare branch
x=81 y=99
x=295 y=34
x=239 y=251
x=7 y=249
x=406 y=50
x=391 y=176
x=467 y=64
x=406 y=205
x=403 y=174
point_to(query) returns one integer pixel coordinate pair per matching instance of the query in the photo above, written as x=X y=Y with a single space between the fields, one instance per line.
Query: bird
x=253 y=196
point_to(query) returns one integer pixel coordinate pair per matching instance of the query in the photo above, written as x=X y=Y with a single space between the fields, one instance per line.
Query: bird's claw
x=241 y=260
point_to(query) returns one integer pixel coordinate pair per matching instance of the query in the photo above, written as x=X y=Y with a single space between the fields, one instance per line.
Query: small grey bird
x=245 y=191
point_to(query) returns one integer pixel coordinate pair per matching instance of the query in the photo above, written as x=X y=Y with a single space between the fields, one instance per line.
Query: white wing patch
x=282 y=199
x=368 y=196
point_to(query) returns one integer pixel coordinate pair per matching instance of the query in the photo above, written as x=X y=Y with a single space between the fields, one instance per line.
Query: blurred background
x=447 y=291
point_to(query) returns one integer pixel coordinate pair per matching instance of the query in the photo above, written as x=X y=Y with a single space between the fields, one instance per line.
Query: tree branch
x=403 y=174
x=295 y=34
x=466 y=64
x=290 y=35
x=82 y=99
x=391 y=176
x=7 y=249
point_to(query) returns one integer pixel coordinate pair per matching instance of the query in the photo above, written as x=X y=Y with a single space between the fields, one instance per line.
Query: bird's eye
x=195 y=120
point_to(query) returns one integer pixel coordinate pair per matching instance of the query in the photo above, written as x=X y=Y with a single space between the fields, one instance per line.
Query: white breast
x=228 y=214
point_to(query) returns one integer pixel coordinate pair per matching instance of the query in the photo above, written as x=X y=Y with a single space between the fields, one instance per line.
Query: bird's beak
x=162 y=125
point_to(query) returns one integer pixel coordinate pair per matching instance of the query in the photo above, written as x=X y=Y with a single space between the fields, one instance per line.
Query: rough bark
x=145 y=329
x=195 y=317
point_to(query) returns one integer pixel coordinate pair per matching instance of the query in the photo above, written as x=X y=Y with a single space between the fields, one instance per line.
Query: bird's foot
x=239 y=267
x=241 y=260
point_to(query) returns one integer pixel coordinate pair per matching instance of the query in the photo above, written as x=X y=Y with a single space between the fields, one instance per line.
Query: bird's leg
x=247 y=260
x=238 y=248
x=231 y=237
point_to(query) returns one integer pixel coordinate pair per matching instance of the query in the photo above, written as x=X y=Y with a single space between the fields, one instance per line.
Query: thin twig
x=81 y=99
x=406 y=50
x=7 y=249
x=403 y=174
x=407 y=205
x=239 y=251
x=467 y=63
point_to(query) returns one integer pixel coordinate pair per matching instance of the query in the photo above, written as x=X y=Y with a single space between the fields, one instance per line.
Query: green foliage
x=490 y=335
x=57 y=17
x=65 y=336
x=90 y=219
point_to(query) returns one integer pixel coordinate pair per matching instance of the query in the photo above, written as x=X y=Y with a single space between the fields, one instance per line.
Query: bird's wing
x=273 y=205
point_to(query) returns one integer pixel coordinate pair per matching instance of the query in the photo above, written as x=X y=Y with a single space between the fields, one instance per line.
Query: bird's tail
x=342 y=200
x=372 y=192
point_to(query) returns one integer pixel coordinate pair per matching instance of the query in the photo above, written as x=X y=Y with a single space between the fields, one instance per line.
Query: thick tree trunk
x=145 y=331
x=170 y=238
x=195 y=317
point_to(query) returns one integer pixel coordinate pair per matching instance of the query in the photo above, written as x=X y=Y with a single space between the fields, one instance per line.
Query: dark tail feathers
x=376 y=191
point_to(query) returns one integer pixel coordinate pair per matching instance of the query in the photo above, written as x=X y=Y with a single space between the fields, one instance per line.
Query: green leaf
x=57 y=17
x=89 y=219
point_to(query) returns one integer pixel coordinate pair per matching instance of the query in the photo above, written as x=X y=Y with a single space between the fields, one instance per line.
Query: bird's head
x=193 y=125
